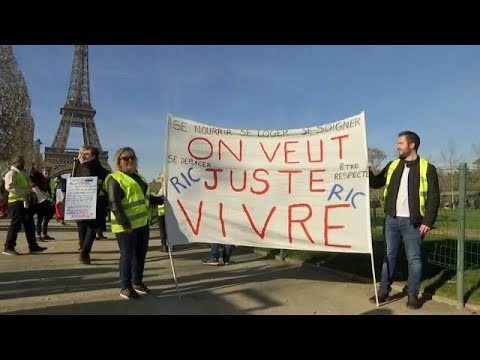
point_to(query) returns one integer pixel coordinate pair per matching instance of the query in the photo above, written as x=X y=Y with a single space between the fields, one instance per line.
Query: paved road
x=55 y=282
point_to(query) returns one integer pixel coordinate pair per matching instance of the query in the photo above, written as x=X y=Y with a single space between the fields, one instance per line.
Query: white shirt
x=403 y=210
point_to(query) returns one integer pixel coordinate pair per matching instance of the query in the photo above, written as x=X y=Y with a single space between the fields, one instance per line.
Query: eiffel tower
x=77 y=112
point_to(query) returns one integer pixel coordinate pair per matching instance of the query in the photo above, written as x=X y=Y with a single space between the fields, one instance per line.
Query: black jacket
x=116 y=194
x=91 y=168
x=433 y=193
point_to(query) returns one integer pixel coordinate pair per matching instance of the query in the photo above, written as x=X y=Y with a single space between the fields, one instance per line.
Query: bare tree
x=451 y=160
x=476 y=163
x=476 y=152
x=376 y=158
x=16 y=123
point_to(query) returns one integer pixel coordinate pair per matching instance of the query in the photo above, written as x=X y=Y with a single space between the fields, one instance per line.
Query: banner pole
x=374 y=279
x=369 y=213
x=165 y=187
x=173 y=271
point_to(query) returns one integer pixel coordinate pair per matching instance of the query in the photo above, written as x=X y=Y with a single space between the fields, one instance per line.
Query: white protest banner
x=81 y=198
x=304 y=189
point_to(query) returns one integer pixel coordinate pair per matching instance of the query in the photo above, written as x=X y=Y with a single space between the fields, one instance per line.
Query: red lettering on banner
x=270 y=159
x=290 y=172
x=265 y=225
x=310 y=155
x=200 y=157
x=199 y=218
x=215 y=179
x=239 y=158
x=267 y=184
x=286 y=152
x=340 y=144
x=301 y=221
x=312 y=180
x=328 y=227
x=244 y=181
x=222 y=222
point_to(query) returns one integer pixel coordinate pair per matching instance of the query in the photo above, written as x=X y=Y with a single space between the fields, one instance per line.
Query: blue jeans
x=133 y=251
x=215 y=251
x=397 y=229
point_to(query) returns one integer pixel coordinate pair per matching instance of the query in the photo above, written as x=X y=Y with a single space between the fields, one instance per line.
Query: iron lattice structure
x=77 y=112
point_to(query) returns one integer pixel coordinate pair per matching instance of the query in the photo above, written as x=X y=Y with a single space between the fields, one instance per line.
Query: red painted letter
x=244 y=181
x=340 y=144
x=274 y=153
x=312 y=180
x=286 y=151
x=267 y=185
x=327 y=227
x=215 y=179
x=310 y=155
x=301 y=221
x=199 y=218
x=220 y=215
x=239 y=158
x=290 y=172
x=264 y=229
x=200 y=157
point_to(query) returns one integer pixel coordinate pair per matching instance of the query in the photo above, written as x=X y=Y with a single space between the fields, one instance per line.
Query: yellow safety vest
x=135 y=204
x=161 y=210
x=422 y=190
x=52 y=185
x=22 y=182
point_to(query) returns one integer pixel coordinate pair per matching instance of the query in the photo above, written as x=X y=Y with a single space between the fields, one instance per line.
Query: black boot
x=414 y=303
x=164 y=247
x=84 y=259
x=381 y=298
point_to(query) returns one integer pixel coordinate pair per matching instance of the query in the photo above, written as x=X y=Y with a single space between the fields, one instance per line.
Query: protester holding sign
x=89 y=165
x=412 y=199
x=102 y=204
x=129 y=198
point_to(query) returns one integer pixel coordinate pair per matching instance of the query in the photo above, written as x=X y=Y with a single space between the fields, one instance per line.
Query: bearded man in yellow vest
x=18 y=185
x=130 y=199
x=412 y=199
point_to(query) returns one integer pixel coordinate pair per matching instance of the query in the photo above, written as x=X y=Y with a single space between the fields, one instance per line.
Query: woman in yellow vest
x=129 y=198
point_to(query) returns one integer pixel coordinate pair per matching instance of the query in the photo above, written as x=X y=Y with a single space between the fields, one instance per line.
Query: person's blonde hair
x=161 y=179
x=116 y=157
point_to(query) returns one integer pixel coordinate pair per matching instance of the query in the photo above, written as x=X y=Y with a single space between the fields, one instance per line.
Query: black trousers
x=45 y=211
x=86 y=236
x=101 y=220
x=20 y=216
x=163 y=229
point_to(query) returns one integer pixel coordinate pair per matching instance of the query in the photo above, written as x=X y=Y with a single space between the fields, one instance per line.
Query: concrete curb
x=440 y=299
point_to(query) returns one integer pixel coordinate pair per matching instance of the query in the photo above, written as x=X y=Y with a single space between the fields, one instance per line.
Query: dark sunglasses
x=128 y=158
